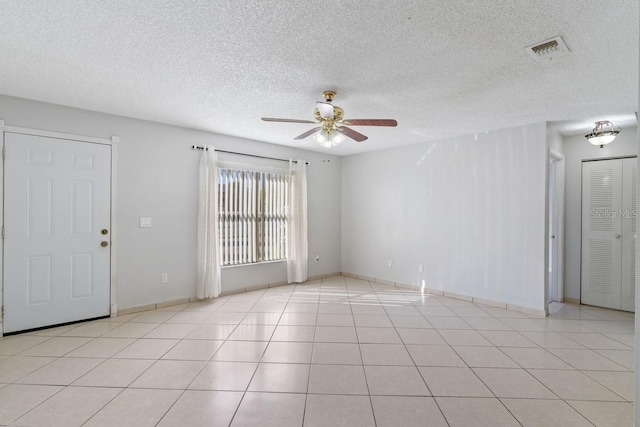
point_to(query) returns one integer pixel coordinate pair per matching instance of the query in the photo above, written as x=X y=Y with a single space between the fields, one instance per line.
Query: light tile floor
x=336 y=352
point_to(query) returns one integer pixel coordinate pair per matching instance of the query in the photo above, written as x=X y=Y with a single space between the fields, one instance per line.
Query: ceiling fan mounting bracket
x=328 y=95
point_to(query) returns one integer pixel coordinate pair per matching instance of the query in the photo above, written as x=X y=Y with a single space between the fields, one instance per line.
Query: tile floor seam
x=364 y=372
x=535 y=379
x=581 y=414
x=509 y=411
x=440 y=410
x=106 y=403
x=122 y=389
x=306 y=397
x=594 y=333
x=514 y=416
x=577 y=369
x=414 y=363
x=607 y=357
x=32 y=409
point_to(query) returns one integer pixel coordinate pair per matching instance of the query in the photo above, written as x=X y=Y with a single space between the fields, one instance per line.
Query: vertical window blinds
x=252 y=213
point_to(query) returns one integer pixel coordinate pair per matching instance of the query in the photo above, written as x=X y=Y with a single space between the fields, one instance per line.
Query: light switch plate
x=145 y=222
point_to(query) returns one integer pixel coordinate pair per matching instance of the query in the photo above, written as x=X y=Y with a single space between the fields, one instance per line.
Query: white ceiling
x=441 y=68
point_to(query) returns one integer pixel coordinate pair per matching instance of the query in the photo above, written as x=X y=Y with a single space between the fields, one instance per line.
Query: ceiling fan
x=333 y=129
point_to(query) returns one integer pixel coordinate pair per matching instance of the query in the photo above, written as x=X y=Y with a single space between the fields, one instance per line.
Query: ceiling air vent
x=548 y=50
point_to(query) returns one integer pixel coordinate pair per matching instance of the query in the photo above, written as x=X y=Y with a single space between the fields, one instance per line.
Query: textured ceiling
x=441 y=68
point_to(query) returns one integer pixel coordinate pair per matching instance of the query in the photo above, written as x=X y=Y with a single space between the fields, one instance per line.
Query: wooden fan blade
x=351 y=133
x=307 y=133
x=370 y=122
x=271 y=119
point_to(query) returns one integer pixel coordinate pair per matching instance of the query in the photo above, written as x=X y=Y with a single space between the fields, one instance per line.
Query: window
x=252 y=216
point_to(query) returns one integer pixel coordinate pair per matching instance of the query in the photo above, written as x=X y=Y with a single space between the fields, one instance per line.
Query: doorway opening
x=554 y=291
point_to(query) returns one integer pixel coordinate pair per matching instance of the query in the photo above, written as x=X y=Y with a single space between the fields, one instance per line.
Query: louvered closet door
x=629 y=209
x=601 y=233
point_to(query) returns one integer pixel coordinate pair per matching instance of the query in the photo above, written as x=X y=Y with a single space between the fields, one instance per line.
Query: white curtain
x=208 y=285
x=297 y=242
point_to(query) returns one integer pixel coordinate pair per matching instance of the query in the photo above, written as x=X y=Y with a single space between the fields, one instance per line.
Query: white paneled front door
x=57 y=250
x=608 y=233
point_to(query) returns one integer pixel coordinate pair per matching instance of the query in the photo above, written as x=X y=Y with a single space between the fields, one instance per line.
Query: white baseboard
x=470 y=298
x=491 y=303
x=155 y=306
x=163 y=304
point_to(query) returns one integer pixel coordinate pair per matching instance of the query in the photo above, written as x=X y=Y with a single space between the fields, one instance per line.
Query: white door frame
x=113 y=142
x=558 y=159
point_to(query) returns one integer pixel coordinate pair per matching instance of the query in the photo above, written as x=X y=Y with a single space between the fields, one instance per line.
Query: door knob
x=617 y=236
x=104 y=244
x=104 y=231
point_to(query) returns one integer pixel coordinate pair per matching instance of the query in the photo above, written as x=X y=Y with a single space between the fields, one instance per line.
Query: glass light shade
x=603 y=133
x=604 y=139
x=328 y=139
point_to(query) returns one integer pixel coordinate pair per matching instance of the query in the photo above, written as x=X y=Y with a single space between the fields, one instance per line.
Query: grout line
x=364 y=371
x=313 y=345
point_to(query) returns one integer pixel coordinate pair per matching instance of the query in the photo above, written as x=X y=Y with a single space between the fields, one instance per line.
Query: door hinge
x=4 y=152
x=3 y=231
x=2 y=312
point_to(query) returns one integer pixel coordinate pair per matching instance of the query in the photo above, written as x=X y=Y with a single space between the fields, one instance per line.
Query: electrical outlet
x=145 y=222
x=389 y=263
x=421 y=268
x=164 y=278
x=317 y=258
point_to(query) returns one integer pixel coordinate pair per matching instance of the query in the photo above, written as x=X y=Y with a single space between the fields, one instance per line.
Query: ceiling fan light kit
x=332 y=130
x=328 y=139
x=603 y=133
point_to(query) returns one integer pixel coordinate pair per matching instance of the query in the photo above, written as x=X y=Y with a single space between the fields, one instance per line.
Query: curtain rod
x=196 y=147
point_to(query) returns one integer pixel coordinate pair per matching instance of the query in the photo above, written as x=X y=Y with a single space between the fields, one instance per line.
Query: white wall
x=554 y=139
x=157 y=177
x=470 y=209
x=576 y=149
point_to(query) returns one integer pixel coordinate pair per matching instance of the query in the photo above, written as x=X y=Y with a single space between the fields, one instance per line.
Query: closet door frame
x=629 y=214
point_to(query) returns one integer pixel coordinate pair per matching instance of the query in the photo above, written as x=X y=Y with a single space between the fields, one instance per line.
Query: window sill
x=252 y=264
